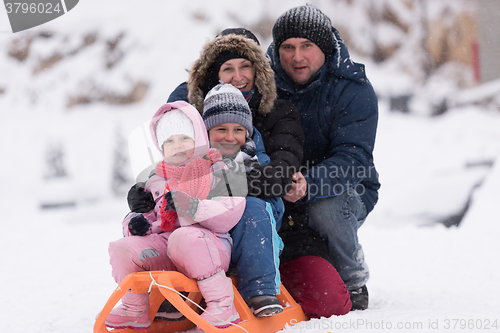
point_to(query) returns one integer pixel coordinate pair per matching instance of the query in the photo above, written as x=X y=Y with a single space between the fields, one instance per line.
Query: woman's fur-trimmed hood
x=264 y=75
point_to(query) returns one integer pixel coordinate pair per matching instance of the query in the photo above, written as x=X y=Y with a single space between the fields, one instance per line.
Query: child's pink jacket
x=219 y=214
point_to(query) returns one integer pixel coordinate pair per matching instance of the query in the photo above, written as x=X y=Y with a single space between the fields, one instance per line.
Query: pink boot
x=133 y=313
x=217 y=291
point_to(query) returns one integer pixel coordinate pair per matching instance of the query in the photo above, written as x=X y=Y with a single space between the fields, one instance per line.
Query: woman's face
x=239 y=73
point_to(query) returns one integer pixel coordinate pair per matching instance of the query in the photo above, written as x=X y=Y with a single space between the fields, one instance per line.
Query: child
x=228 y=120
x=185 y=231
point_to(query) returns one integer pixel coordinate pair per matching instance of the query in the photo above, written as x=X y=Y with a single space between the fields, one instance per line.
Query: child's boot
x=217 y=291
x=133 y=313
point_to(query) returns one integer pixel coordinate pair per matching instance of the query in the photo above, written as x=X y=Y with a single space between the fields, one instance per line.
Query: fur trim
x=264 y=75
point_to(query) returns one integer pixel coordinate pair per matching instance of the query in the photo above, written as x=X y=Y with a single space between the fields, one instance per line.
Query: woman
x=235 y=57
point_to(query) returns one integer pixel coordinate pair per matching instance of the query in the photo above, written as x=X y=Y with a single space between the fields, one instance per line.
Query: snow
x=56 y=276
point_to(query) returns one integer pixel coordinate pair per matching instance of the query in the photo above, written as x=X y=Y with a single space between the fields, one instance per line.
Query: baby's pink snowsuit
x=200 y=247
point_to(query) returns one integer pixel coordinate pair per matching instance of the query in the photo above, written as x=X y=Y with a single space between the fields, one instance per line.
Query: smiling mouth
x=228 y=145
x=241 y=86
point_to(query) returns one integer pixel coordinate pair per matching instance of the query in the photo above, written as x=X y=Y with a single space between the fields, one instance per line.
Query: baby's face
x=227 y=137
x=178 y=149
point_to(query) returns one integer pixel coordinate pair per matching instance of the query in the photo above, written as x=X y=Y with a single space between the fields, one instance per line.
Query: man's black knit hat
x=304 y=22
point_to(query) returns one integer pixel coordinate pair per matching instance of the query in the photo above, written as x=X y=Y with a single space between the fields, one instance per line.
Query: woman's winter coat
x=277 y=120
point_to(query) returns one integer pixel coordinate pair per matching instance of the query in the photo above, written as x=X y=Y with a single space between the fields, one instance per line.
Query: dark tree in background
x=121 y=175
x=54 y=159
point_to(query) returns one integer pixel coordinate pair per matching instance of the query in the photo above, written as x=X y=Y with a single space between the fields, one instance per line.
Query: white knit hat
x=174 y=122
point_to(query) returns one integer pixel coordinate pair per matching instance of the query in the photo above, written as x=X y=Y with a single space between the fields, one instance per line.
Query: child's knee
x=188 y=244
x=196 y=252
x=121 y=258
x=137 y=254
x=183 y=241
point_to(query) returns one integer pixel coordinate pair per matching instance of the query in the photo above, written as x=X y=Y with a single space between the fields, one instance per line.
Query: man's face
x=301 y=59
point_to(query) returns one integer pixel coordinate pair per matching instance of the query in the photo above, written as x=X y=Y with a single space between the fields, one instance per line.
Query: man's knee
x=330 y=205
x=315 y=284
x=339 y=212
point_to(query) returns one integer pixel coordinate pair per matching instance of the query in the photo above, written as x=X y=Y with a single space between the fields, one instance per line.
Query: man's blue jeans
x=338 y=219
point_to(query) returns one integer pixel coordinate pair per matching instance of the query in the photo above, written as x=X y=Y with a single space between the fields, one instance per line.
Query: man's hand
x=299 y=188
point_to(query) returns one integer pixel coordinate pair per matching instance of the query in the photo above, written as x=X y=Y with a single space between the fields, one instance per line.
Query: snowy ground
x=56 y=275
x=424 y=277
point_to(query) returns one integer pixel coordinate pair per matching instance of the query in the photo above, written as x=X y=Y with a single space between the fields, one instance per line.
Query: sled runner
x=163 y=285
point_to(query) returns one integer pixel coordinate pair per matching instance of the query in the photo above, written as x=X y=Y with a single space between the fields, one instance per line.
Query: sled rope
x=154 y=283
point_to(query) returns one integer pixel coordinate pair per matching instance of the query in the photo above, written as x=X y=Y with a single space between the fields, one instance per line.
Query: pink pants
x=195 y=252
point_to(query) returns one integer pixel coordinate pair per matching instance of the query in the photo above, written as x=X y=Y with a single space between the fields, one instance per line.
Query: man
x=338 y=183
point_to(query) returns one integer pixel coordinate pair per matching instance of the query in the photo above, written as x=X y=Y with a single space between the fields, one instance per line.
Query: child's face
x=227 y=137
x=178 y=149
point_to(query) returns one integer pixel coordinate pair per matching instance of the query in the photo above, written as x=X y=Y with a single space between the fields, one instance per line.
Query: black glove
x=139 y=225
x=138 y=200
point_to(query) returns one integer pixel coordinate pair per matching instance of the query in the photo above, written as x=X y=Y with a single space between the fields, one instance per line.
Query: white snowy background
x=55 y=275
